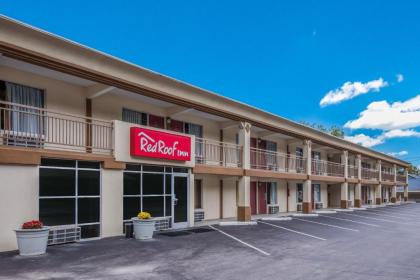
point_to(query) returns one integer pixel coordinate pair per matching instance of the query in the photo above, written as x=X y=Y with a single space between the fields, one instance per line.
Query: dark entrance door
x=180 y=201
x=253 y=197
x=262 y=198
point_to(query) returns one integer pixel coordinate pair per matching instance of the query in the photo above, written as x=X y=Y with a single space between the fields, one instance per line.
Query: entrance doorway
x=262 y=198
x=180 y=201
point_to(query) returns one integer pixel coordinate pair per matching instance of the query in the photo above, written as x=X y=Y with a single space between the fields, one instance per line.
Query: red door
x=262 y=198
x=253 y=197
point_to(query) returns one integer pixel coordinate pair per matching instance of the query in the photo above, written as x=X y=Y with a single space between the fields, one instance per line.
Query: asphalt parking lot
x=378 y=243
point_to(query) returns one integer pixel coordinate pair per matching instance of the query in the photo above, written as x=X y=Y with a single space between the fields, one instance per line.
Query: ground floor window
x=69 y=194
x=198 y=192
x=148 y=188
x=272 y=193
x=317 y=192
x=299 y=193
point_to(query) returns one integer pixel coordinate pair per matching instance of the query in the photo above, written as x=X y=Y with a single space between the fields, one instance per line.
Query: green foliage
x=333 y=130
x=413 y=170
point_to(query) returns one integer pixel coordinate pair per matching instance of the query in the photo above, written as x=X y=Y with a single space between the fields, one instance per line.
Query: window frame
x=76 y=196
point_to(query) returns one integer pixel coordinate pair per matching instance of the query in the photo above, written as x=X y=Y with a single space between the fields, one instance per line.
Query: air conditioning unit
x=318 y=205
x=369 y=201
x=350 y=203
x=385 y=200
x=299 y=207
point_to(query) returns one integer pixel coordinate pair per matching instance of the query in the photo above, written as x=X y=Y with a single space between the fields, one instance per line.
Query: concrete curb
x=325 y=212
x=276 y=219
x=237 y=223
x=305 y=215
x=343 y=210
x=358 y=209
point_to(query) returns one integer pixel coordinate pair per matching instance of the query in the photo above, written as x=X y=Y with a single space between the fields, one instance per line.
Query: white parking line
x=374 y=218
x=381 y=214
x=393 y=215
x=328 y=225
x=398 y=212
x=240 y=241
x=295 y=231
x=349 y=220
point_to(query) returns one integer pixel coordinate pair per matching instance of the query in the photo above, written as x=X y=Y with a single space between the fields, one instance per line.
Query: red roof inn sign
x=156 y=144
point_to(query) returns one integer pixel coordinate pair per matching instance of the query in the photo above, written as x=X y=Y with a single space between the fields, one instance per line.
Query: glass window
x=133 y=167
x=89 y=164
x=57 y=211
x=197 y=194
x=152 y=168
x=156 y=121
x=132 y=207
x=90 y=231
x=153 y=205
x=299 y=152
x=317 y=192
x=57 y=162
x=57 y=182
x=272 y=193
x=88 y=183
x=132 y=116
x=61 y=204
x=168 y=184
x=175 y=125
x=152 y=183
x=131 y=183
x=88 y=210
x=168 y=206
x=299 y=193
x=194 y=129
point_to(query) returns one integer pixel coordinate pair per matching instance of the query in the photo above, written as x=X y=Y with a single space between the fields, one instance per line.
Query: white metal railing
x=353 y=171
x=370 y=174
x=27 y=126
x=327 y=168
x=211 y=152
x=401 y=178
x=270 y=160
x=387 y=176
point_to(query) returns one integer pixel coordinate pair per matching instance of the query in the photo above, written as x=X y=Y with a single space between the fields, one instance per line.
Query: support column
x=345 y=185
x=405 y=193
x=358 y=195
x=378 y=194
x=307 y=185
x=358 y=187
x=244 y=205
x=394 y=194
x=191 y=197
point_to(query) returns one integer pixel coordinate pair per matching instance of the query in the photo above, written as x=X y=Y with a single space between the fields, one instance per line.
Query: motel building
x=88 y=140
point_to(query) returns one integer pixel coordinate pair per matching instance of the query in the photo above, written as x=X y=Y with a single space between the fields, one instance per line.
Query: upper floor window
x=142 y=118
x=185 y=127
x=299 y=152
x=316 y=155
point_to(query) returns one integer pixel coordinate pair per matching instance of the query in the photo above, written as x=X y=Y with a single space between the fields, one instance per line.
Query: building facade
x=89 y=140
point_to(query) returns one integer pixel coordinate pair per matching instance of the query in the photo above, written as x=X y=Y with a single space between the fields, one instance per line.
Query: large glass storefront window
x=148 y=188
x=69 y=194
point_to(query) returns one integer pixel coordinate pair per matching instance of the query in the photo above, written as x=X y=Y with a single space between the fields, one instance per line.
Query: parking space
x=370 y=244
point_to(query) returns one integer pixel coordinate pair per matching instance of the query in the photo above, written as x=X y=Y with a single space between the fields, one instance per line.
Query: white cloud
x=400 y=78
x=398 y=154
x=350 y=90
x=369 y=141
x=385 y=116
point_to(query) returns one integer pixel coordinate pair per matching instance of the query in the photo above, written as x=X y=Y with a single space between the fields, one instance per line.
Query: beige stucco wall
x=211 y=195
x=18 y=201
x=112 y=202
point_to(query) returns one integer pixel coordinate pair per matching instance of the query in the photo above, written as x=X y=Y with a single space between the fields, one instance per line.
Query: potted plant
x=32 y=238
x=143 y=226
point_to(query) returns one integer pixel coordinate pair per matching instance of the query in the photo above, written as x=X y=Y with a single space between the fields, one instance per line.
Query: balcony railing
x=401 y=178
x=270 y=160
x=27 y=126
x=370 y=174
x=386 y=176
x=212 y=152
x=353 y=171
x=327 y=168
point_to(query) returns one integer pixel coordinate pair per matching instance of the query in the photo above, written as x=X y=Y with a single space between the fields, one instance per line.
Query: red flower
x=32 y=225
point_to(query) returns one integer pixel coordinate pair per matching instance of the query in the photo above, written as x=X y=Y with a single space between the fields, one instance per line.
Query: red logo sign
x=156 y=144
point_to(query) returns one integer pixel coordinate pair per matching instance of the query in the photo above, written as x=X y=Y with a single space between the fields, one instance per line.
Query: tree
x=413 y=170
x=333 y=130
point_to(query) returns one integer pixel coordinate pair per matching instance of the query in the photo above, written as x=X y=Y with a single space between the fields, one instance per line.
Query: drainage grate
x=175 y=233
x=200 y=230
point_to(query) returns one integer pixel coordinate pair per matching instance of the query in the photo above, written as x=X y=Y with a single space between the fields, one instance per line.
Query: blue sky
x=281 y=56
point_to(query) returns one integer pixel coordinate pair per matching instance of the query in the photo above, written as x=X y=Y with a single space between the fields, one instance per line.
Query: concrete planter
x=32 y=242
x=143 y=229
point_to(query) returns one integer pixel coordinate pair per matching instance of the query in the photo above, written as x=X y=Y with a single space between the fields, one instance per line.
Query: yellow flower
x=144 y=215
